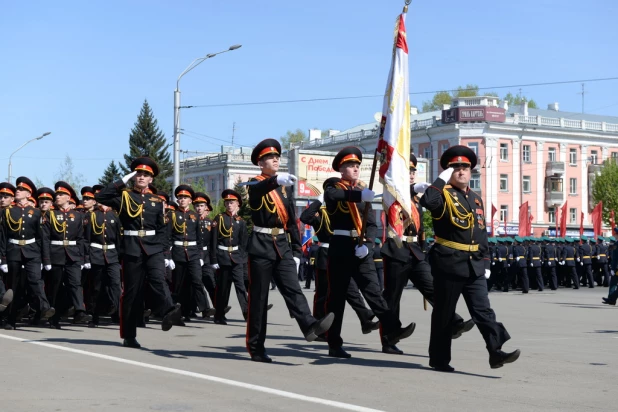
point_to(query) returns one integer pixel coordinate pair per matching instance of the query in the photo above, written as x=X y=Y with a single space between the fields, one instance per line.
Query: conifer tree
x=111 y=174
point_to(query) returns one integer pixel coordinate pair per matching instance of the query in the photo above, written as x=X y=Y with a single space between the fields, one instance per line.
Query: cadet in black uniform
x=347 y=259
x=201 y=204
x=274 y=250
x=520 y=261
x=228 y=255
x=568 y=257
x=144 y=240
x=534 y=260
x=103 y=240
x=550 y=262
x=502 y=261
x=601 y=252
x=407 y=263
x=7 y=196
x=585 y=260
x=459 y=260
x=187 y=253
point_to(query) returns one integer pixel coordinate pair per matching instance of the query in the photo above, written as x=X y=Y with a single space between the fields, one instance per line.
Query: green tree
x=147 y=140
x=519 y=99
x=428 y=224
x=444 y=97
x=296 y=136
x=245 y=211
x=66 y=172
x=217 y=208
x=110 y=174
x=604 y=188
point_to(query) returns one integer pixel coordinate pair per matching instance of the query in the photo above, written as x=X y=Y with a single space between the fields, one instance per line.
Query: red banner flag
x=523 y=220
x=563 y=219
x=557 y=221
x=383 y=220
x=581 y=225
x=597 y=219
x=530 y=219
x=612 y=220
x=493 y=211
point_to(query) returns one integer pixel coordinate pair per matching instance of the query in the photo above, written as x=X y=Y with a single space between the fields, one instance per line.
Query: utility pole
x=233 y=131
x=583 y=92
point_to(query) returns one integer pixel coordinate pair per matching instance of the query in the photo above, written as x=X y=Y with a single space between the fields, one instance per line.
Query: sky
x=81 y=70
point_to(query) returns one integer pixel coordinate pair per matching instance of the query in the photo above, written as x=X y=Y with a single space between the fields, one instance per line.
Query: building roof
x=567 y=115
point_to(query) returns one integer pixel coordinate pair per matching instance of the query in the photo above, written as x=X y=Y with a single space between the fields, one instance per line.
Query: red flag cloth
x=383 y=220
x=597 y=219
x=557 y=220
x=530 y=219
x=612 y=220
x=523 y=220
x=581 y=225
x=493 y=211
x=563 y=219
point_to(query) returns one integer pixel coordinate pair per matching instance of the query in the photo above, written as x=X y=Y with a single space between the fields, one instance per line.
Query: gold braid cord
x=132 y=207
x=266 y=201
x=325 y=221
x=178 y=228
x=225 y=232
x=12 y=223
x=58 y=227
x=96 y=229
x=457 y=216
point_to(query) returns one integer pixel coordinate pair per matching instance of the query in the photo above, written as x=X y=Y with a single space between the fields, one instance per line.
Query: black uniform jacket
x=228 y=231
x=402 y=254
x=205 y=228
x=102 y=229
x=585 y=253
x=265 y=213
x=317 y=216
x=22 y=224
x=459 y=217
x=569 y=255
x=66 y=236
x=184 y=227
x=534 y=256
x=137 y=212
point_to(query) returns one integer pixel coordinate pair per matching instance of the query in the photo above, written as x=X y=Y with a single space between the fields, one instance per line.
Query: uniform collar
x=348 y=183
x=183 y=210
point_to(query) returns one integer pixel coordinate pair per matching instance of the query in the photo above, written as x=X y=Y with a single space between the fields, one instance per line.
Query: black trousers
x=587 y=276
x=354 y=298
x=23 y=280
x=104 y=284
x=63 y=284
x=188 y=286
x=552 y=278
x=447 y=290
x=604 y=271
x=135 y=270
x=283 y=272
x=340 y=270
x=538 y=276
x=208 y=279
x=525 y=280
x=225 y=276
x=574 y=277
x=396 y=277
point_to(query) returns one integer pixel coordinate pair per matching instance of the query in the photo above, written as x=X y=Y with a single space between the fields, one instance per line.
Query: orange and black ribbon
x=282 y=212
x=354 y=213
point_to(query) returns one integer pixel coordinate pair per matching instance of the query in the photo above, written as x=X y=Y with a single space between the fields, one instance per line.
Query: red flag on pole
x=581 y=224
x=493 y=211
x=530 y=219
x=612 y=220
x=523 y=220
x=597 y=219
x=383 y=220
x=557 y=217
x=563 y=219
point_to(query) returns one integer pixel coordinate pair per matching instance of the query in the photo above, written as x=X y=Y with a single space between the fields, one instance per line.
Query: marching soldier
x=348 y=259
x=550 y=261
x=23 y=244
x=201 y=204
x=102 y=234
x=601 y=252
x=274 y=250
x=187 y=254
x=585 y=260
x=502 y=261
x=568 y=257
x=519 y=256
x=407 y=263
x=144 y=240
x=534 y=260
x=7 y=195
x=459 y=261
x=45 y=198
x=67 y=252
x=228 y=255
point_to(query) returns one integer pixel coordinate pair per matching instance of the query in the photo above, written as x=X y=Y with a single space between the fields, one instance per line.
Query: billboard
x=474 y=114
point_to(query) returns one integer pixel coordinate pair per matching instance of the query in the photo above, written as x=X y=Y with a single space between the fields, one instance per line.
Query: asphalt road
x=568 y=341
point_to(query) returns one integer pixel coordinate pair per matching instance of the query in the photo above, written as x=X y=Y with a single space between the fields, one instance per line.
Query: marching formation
x=129 y=253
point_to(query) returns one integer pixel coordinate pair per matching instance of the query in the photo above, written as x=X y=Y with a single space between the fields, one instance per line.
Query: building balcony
x=554 y=198
x=554 y=169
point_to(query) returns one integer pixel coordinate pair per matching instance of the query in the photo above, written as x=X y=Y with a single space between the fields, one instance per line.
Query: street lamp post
x=193 y=65
x=19 y=148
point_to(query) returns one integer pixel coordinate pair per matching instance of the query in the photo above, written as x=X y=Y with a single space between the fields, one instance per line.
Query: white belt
x=348 y=233
x=140 y=233
x=326 y=245
x=104 y=247
x=22 y=242
x=228 y=248
x=408 y=239
x=64 y=242
x=185 y=243
x=205 y=248
x=275 y=231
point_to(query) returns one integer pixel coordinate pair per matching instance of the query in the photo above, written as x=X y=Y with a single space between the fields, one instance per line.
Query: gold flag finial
x=405 y=8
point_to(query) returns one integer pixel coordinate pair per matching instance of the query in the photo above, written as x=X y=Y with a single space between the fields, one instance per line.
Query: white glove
x=446 y=174
x=201 y=262
x=87 y=265
x=321 y=198
x=47 y=267
x=81 y=267
x=548 y=263
x=493 y=263
x=4 y=268
x=361 y=251
x=578 y=259
x=421 y=187
x=508 y=265
x=499 y=259
x=612 y=272
x=128 y=177
x=582 y=264
x=215 y=266
x=286 y=179
x=41 y=266
x=167 y=262
x=518 y=258
x=297 y=260
x=531 y=264
x=598 y=257
x=487 y=273
x=367 y=195
x=172 y=264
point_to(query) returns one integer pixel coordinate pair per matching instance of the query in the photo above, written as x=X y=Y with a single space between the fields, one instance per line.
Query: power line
x=321 y=99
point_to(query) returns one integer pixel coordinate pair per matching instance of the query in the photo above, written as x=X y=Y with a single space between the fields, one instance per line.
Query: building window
x=572 y=186
x=614 y=155
x=444 y=147
x=212 y=185
x=504 y=183
x=573 y=215
x=573 y=157
x=475 y=147
x=427 y=152
x=593 y=157
x=504 y=151
x=551 y=152
x=526 y=185
x=553 y=185
x=504 y=212
x=526 y=153
x=552 y=214
x=475 y=182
